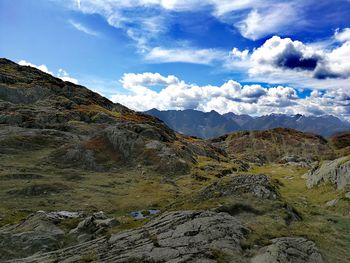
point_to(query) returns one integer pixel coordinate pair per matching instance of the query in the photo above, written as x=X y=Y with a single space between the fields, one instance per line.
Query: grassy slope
x=329 y=227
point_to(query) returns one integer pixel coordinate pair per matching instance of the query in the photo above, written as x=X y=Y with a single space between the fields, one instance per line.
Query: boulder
x=289 y=250
x=37 y=233
x=260 y=186
x=93 y=226
x=336 y=172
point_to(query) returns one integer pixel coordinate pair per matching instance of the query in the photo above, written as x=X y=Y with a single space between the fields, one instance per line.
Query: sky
x=252 y=57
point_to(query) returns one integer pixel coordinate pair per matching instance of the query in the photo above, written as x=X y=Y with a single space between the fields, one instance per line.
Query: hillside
x=83 y=179
x=279 y=145
x=83 y=128
x=212 y=124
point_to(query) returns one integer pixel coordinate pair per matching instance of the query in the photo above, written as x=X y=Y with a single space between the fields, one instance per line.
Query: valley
x=67 y=153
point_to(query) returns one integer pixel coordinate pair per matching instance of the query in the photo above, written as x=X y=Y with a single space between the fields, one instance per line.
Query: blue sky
x=254 y=57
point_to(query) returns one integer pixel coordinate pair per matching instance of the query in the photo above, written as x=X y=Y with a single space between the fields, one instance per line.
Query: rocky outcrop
x=37 y=233
x=43 y=232
x=93 y=226
x=182 y=236
x=336 y=172
x=289 y=250
x=260 y=186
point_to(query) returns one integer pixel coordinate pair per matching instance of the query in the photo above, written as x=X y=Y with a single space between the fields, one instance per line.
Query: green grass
x=127 y=189
x=327 y=226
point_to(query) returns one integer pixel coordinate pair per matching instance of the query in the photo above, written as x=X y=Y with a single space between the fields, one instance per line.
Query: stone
x=93 y=226
x=179 y=236
x=260 y=186
x=289 y=250
x=37 y=233
x=332 y=203
x=347 y=195
x=336 y=172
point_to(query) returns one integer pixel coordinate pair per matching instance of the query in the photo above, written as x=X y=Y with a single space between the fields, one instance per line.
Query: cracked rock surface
x=181 y=236
x=260 y=186
x=289 y=250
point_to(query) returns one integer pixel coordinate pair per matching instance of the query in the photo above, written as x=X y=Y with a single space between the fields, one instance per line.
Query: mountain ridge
x=184 y=121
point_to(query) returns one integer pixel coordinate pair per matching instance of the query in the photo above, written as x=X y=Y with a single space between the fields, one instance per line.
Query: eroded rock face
x=259 y=186
x=37 y=233
x=289 y=250
x=336 y=172
x=41 y=232
x=182 y=236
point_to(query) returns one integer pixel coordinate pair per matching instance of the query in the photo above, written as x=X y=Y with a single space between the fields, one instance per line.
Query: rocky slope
x=87 y=129
x=277 y=145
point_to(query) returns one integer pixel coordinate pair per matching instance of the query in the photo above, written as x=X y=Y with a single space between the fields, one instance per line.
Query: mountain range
x=212 y=124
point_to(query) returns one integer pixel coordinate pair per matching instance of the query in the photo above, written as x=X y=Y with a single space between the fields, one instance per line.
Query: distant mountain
x=196 y=123
x=212 y=124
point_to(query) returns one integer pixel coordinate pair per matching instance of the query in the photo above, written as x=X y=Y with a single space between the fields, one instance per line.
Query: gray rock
x=289 y=250
x=181 y=236
x=332 y=203
x=38 y=233
x=61 y=215
x=336 y=172
x=259 y=186
x=347 y=195
x=93 y=226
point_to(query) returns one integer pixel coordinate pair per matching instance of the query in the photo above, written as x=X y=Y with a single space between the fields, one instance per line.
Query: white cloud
x=342 y=35
x=43 y=67
x=229 y=97
x=242 y=55
x=144 y=20
x=188 y=55
x=338 y=61
x=62 y=74
x=283 y=54
x=260 y=23
x=323 y=66
x=150 y=79
x=82 y=28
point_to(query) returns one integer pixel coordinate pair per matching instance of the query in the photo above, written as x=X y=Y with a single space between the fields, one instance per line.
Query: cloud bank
x=229 y=97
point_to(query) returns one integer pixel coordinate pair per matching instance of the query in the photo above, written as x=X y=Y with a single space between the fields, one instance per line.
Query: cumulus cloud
x=62 y=74
x=284 y=53
x=42 y=67
x=312 y=65
x=242 y=55
x=342 y=35
x=229 y=97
